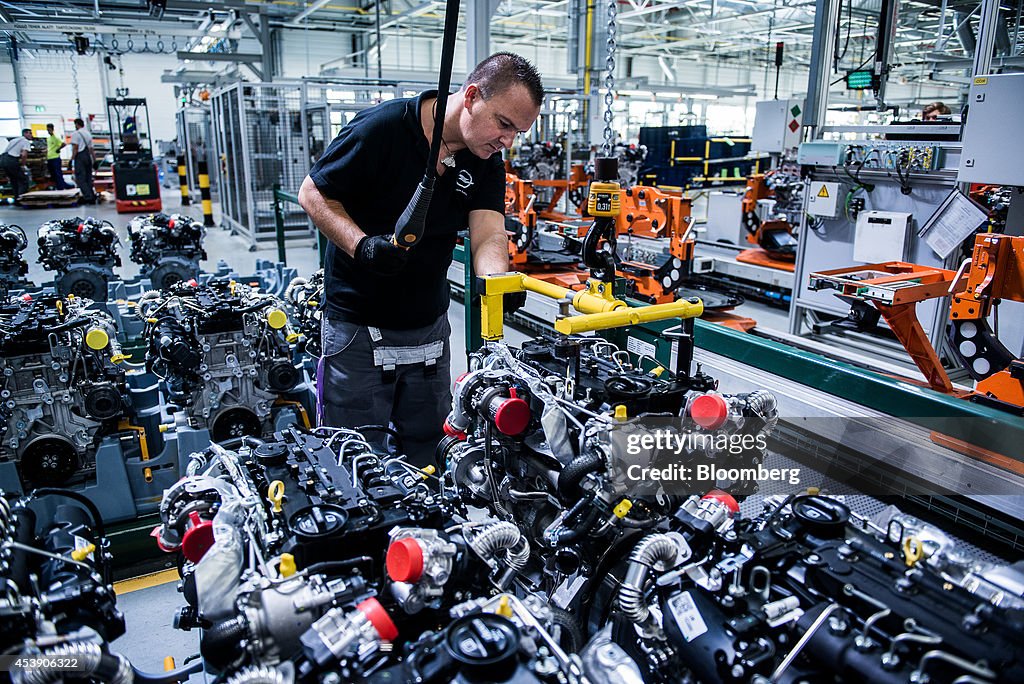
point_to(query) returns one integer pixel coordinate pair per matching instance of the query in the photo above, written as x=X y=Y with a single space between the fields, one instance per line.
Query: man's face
x=49 y=129
x=27 y=134
x=491 y=125
x=931 y=115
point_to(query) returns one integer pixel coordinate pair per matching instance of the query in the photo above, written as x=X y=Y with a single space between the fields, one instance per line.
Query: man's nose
x=507 y=139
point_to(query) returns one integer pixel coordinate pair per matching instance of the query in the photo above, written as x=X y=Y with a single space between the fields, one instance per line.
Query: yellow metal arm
x=599 y=307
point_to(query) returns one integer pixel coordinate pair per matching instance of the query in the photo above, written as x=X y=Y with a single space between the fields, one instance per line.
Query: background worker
x=386 y=352
x=14 y=158
x=934 y=110
x=53 y=147
x=82 y=161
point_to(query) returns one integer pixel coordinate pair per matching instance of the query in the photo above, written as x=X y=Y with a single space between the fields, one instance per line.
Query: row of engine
x=83 y=253
x=216 y=361
x=524 y=556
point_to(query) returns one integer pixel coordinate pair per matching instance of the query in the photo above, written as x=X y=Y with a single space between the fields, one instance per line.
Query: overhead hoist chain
x=74 y=84
x=609 y=77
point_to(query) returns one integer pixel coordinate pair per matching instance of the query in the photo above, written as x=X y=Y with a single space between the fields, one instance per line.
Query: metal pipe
x=629 y=316
x=822 y=47
x=811 y=631
x=986 y=37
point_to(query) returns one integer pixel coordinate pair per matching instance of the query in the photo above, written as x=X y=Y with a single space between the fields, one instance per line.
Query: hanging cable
x=74 y=83
x=609 y=77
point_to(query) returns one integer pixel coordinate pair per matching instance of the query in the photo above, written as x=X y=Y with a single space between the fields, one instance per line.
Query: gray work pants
x=83 y=175
x=16 y=175
x=366 y=381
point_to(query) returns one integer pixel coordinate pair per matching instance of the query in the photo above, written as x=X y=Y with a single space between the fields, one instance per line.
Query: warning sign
x=824 y=201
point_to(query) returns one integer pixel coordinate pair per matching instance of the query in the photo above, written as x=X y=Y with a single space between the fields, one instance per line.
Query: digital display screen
x=861 y=80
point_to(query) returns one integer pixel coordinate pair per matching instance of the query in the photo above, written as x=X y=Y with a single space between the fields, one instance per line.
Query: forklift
x=136 y=180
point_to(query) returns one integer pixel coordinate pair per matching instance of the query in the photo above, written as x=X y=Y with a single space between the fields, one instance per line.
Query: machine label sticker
x=130 y=190
x=688 y=617
x=981 y=80
x=464 y=182
x=640 y=347
x=142 y=189
x=823 y=192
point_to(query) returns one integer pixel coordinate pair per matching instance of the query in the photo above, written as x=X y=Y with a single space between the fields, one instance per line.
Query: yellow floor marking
x=154 y=579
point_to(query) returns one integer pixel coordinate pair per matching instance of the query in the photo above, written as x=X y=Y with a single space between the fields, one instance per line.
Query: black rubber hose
x=572 y=475
x=568 y=535
x=222 y=643
x=571 y=638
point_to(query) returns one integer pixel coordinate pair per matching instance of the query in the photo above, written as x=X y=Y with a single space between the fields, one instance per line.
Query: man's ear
x=471 y=96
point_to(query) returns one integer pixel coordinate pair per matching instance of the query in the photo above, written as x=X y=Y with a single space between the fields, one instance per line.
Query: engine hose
x=258 y=675
x=572 y=475
x=571 y=638
x=223 y=641
x=568 y=535
x=109 y=667
x=763 y=404
x=652 y=549
x=502 y=536
x=289 y=292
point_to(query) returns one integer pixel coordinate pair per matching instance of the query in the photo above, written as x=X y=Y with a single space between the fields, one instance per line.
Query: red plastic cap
x=170 y=224
x=512 y=416
x=193 y=282
x=452 y=432
x=723 y=498
x=379 y=618
x=198 y=539
x=405 y=560
x=81 y=227
x=709 y=411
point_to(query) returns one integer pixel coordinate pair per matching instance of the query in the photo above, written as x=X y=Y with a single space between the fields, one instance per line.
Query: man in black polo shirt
x=385 y=332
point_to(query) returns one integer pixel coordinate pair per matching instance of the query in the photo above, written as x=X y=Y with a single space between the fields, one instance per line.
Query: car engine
x=13 y=267
x=82 y=252
x=168 y=248
x=57 y=604
x=283 y=565
x=808 y=591
x=223 y=352
x=532 y=439
x=305 y=300
x=63 y=387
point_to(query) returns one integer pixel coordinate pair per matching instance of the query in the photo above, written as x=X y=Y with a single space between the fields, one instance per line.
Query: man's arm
x=489 y=241
x=330 y=217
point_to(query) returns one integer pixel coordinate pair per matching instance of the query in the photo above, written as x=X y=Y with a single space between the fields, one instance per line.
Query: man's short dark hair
x=504 y=69
x=26 y=130
x=79 y=122
x=49 y=125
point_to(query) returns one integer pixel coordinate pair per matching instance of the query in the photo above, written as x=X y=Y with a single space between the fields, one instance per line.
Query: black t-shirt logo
x=464 y=182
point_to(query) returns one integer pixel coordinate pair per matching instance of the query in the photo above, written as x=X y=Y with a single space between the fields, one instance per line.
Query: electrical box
x=825 y=199
x=992 y=152
x=725 y=219
x=822 y=153
x=778 y=125
x=881 y=236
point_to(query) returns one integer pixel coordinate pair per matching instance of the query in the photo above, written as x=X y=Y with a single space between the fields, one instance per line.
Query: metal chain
x=609 y=77
x=74 y=83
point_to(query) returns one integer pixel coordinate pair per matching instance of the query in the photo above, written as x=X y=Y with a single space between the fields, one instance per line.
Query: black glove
x=376 y=253
x=512 y=302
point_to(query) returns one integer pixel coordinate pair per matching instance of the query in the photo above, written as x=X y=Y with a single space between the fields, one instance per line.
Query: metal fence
x=195 y=141
x=268 y=134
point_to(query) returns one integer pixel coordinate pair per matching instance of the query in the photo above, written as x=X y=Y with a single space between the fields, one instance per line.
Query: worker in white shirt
x=14 y=157
x=82 y=161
